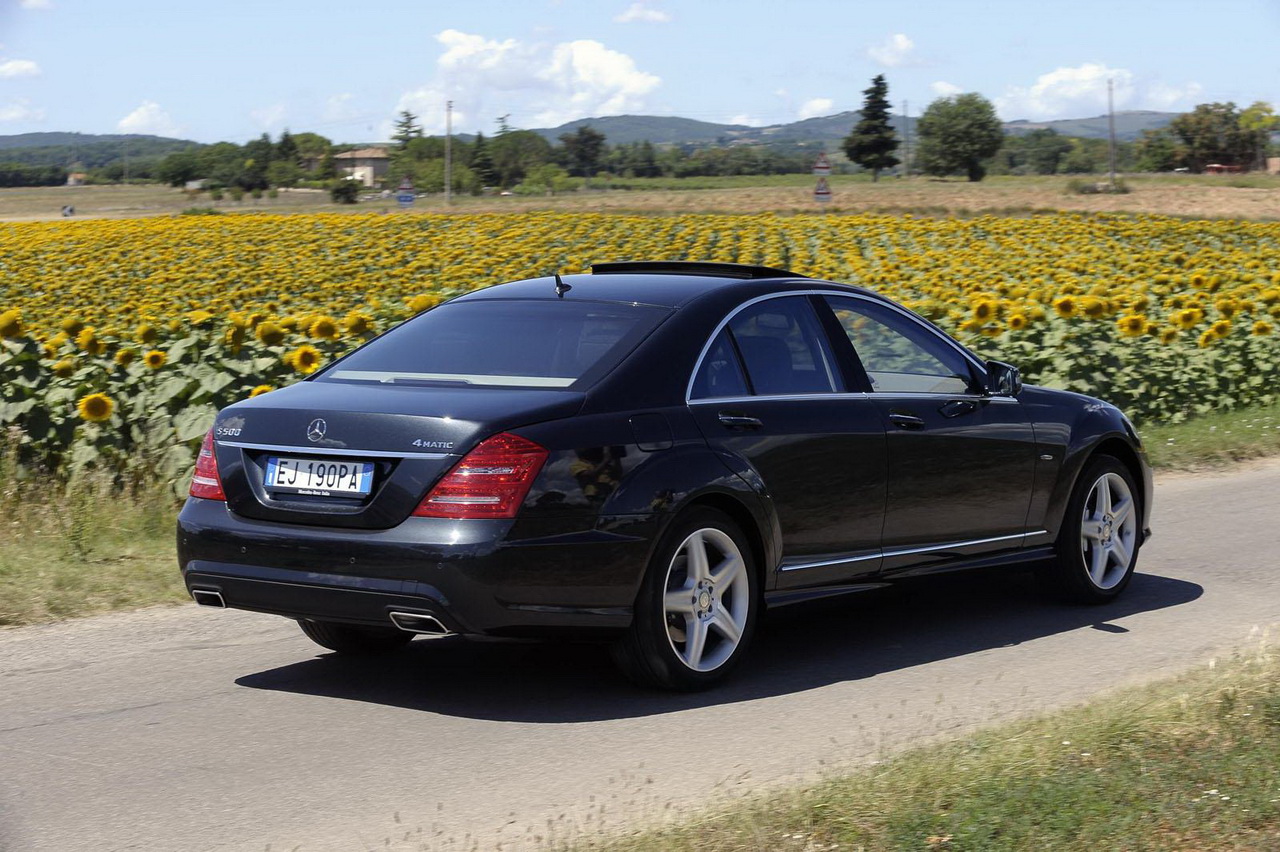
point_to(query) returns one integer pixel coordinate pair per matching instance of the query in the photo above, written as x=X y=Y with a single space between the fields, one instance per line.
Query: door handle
x=739 y=421
x=957 y=407
x=906 y=421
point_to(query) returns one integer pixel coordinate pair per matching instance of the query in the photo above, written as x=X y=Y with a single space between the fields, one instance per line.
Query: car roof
x=664 y=283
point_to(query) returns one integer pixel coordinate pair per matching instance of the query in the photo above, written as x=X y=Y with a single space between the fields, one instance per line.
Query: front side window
x=900 y=355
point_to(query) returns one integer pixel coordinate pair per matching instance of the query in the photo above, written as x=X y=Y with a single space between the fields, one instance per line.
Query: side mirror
x=1003 y=379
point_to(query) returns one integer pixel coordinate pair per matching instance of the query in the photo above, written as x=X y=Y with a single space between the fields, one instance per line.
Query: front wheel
x=351 y=639
x=1098 y=546
x=697 y=606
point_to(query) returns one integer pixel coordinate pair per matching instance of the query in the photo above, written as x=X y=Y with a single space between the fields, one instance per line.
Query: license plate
x=319 y=477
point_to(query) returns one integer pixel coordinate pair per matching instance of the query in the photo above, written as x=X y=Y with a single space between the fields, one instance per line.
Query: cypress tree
x=872 y=142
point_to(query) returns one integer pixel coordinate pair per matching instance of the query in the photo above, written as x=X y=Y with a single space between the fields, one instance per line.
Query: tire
x=693 y=618
x=350 y=639
x=1097 y=547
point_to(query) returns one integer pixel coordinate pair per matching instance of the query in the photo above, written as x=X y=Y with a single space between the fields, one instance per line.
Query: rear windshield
x=504 y=343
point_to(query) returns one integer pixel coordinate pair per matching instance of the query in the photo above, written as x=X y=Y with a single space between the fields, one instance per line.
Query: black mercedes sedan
x=650 y=454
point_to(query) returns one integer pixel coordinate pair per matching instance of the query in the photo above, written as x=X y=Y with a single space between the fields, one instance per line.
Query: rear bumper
x=475 y=577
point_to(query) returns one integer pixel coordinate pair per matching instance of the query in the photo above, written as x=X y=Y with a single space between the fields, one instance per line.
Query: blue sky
x=232 y=69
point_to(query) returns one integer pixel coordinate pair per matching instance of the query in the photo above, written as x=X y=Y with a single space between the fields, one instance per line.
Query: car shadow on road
x=796 y=648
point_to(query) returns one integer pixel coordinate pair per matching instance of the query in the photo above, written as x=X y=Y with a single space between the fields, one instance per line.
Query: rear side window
x=503 y=343
x=773 y=348
x=783 y=347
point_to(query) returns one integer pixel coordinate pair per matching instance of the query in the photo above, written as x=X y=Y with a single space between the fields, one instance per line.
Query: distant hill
x=86 y=150
x=826 y=130
x=1129 y=125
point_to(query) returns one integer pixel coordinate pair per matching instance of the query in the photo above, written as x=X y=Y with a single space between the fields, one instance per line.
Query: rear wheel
x=697 y=606
x=1101 y=533
x=351 y=639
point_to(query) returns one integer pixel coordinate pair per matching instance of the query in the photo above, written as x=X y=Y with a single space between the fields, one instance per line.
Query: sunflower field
x=120 y=338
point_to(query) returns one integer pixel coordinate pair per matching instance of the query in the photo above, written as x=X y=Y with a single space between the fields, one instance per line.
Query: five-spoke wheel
x=697 y=606
x=1102 y=531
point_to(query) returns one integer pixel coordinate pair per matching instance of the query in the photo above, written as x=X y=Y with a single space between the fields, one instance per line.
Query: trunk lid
x=392 y=441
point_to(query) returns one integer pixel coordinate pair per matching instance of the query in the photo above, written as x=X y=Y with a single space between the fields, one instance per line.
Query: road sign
x=404 y=194
x=822 y=192
x=822 y=166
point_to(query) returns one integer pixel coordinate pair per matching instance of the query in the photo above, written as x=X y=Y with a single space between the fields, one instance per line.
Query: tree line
x=962 y=135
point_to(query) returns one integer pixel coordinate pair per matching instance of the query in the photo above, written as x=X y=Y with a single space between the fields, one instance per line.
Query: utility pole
x=1111 y=131
x=906 y=138
x=448 y=152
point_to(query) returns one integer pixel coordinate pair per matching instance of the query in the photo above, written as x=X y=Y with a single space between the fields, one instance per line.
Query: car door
x=960 y=461
x=768 y=390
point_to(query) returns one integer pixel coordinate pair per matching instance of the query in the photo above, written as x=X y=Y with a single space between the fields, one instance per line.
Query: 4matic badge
x=433 y=445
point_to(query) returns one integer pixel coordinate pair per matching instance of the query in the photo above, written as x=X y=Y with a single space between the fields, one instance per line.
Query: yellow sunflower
x=10 y=323
x=1133 y=325
x=1221 y=328
x=1064 y=306
x=269 y=333
x=147 y=333
x=1017 y=322
x=305 y=359
x=155 y=359
x=64 y=368
x=96 y=407
x=1261 y=328
x=324 y=328
x=260 y=390
x=125 y=357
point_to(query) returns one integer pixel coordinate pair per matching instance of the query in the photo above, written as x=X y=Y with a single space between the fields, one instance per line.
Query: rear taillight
x=205 y=481
x=491 y=481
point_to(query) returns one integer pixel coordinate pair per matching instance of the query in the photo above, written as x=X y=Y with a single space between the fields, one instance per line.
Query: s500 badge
x=227 y=432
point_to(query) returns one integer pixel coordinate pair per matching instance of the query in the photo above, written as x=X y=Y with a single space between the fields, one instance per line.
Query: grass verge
x=1214 y=440
x=82 y=547
x=1183 y=764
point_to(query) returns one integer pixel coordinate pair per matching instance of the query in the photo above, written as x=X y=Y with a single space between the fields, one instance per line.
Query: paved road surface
x=192 y=729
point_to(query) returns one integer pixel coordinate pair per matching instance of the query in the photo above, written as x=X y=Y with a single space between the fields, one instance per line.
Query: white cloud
x=548 y=83
x=894 y=52
x=815 y=107
x=20 y=110
x=268 y=117
x=1082 y=91
x=1160 y=96
x=640 y=12
x=943 y=89
x=339 y=107
x=18 y=68
x=37 y=4
x=748 y=120
x=148 y=118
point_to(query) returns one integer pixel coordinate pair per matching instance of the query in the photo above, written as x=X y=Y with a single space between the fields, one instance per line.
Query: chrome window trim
x=327 y=451
x=781 y=397
x=909 y=551
x=706 y=347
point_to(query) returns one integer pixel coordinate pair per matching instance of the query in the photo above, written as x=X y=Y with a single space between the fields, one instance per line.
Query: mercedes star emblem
x=315 y=432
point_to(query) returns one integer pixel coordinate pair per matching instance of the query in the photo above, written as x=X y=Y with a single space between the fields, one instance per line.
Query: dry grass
x=1203 y=196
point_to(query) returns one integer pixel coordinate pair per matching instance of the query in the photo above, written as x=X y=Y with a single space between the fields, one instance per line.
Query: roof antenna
x=561 y=287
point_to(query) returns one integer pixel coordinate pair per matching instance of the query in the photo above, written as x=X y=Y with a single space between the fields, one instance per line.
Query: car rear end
x=396 y=488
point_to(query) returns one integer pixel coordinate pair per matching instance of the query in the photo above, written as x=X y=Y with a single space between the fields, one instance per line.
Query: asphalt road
x=192 y=729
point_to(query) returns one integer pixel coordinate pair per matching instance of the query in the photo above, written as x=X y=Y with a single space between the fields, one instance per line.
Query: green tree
x=482 y=162
x=583 y=149
x=327 y=168
x=287 y=149
x=179 y=167
x=957 y=134
x=1261 y=121
x=1211 y=133
x=1159 y=151
x=283 y=173
x=407 y=128
x=345 y=191
x=515 y=152
x=872 y=141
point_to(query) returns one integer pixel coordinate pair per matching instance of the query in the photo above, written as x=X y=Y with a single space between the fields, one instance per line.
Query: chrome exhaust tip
x=417 y=622
x=207 y=597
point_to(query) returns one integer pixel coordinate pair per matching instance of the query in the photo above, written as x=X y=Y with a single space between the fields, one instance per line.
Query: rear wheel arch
x=740 y=515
